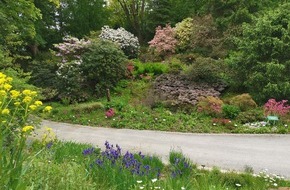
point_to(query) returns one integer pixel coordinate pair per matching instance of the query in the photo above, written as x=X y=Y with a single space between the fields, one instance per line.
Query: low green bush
x=205 y=70
x=230 y=111
x=251 y=116
x=244 y=102
x=149 y=68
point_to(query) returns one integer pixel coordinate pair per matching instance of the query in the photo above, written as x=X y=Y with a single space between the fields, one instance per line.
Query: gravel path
x=226 y=151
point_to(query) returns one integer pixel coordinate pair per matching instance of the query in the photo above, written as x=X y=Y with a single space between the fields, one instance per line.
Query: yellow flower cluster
x=27 y=128
x=47 y=109
x=5 y=111
x=20 y=99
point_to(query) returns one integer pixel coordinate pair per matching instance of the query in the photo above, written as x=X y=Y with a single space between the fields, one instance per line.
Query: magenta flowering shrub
x=272 y=107
x=164 y=41
x=110 y=113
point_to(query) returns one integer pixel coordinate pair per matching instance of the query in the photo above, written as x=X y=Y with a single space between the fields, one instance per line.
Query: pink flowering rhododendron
x=164 y=41
x=272 y=107
x=110 y=113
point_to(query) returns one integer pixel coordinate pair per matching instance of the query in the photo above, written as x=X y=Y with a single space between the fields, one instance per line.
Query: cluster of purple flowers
x=134 y=163
x=88 y=151
x=181 y=167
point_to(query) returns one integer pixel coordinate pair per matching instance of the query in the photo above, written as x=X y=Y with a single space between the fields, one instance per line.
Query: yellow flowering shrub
x=15 y=126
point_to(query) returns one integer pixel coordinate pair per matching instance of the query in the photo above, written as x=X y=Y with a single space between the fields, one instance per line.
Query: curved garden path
x=226 y=151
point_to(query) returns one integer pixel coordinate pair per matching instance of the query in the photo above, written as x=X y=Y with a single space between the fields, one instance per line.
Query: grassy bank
x=67 y=165
x=135 y=108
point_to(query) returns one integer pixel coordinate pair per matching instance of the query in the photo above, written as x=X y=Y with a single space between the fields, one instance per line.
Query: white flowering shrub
x=88 y=68
x=71 y=49
x=71 y=83
x=126 y=40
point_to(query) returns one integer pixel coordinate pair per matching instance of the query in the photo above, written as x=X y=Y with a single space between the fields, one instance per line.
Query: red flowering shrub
x=276 y=108
x=164 y=41
x=210 y=105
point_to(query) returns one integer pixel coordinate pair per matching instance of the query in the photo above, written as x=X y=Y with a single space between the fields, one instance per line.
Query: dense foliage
x=261 y=64
x=104 y=64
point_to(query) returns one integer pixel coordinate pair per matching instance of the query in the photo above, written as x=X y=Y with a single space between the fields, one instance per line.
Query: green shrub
x=187 y=58
x=71 y=85
x=230 y=111
x=149 y=68
x=251 y=116
x=243 y=101
x=43 y=74
x=175 y=66
x=43 y=70
x=205 y=70
x=104 y=64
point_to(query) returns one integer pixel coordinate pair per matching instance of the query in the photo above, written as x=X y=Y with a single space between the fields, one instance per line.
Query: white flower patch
x=126 y=40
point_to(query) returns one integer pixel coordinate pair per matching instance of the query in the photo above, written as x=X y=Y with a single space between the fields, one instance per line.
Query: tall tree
x=134 y=12
x=17 y=24
x=236 y=12
x=46 y=28
x=79 y=17
x=261 y=62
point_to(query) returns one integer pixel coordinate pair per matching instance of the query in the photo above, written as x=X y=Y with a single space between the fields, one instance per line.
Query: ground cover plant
x=69 y=165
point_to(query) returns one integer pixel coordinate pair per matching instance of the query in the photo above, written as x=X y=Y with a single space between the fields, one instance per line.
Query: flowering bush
x=70 y=80
x=110 y=113
x=272 y=107
x=114 y=167
x=210 y=105
x=71 y=49
x=126 y=40
x=183 y=32
x=164 y=41
x=15 y=126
